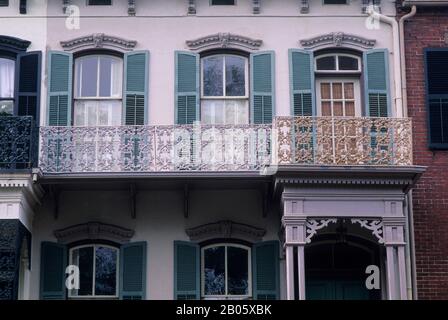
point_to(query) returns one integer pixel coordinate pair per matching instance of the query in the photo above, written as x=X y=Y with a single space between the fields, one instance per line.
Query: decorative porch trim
x=131 y=7
x=98 y=40
x=224 y=40
x=376 y=226
x=338 y=39
x=93 y=231
x=14 y=44
x=314 y=225
x=344 y=181
x=304 y=6
x=225 y=229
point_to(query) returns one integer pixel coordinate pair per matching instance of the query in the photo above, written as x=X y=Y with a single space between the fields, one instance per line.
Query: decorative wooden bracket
x=54 y=194
x=265 y=200
x=256 y=6
x=186 y=200
x=132 y=199
x=131 y=7
x=304 y=6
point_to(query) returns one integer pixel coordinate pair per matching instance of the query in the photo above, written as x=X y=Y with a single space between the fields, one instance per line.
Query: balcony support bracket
x=186 y=200
x=132 y=199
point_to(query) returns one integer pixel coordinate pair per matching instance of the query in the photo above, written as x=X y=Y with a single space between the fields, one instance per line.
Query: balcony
x=18 y=143
x=240 y=148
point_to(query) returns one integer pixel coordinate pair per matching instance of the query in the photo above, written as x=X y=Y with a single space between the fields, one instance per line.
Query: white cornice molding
x=94 y=231
x=338 y=39
x=98 y=41
x=224 y=40
x=225 y=229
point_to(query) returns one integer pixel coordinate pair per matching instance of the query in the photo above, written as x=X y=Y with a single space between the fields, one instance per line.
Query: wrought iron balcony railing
x=289 y=141
x=344 y=141
x=18 y=143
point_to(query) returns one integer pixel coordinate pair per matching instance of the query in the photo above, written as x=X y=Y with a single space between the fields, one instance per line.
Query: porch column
x=395 y=255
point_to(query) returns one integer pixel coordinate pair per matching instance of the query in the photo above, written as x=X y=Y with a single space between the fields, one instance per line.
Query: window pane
x=237 y=271
x=325 y=91
x=110 y=77
x=235 y=76
x=97 y=113
x=337 y=90
x=237 y=112
x=348 y=63
x=326 y=109
x=214 y=271
x=87 y=73
x=212 y=111
x=349 y=92
x=349 y=109
x=337 y=109
x=83 y=258
x=225 y=111
x=326 y=63
x=105 y=271
x=7 y=69
x=223 y=2
x=6 y=107
x=213 y=76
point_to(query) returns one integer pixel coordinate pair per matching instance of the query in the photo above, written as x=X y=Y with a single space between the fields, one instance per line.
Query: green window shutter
x=265 y=275
x=186 y=87
x=52 y=271
x=28 y=84
x=135 y=95
x=133 y=271
x=376 y=81
x=301 y=83
x=262 y=83
x=60 y=65
x=186 y=271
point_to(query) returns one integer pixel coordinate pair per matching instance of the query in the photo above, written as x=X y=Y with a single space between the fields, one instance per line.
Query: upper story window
x=338 y=87
x=226 y=271
x=224 y=98
x=222 y=2
x=99 y=2
x=7 y=73
x=335 y=1
x=98 y=268
x=98 y=90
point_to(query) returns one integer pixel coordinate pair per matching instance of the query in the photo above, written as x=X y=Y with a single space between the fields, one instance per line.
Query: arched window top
x=337 y=63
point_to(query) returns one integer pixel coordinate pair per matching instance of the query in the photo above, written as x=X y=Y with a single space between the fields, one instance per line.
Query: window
x=98 y=91
x=99 y=2
x=4 y=3
x=222 y=2
x=98 y=269
x=226 y=271
x=225 y=90
x=7 y=73
x=338 y=63
x=335 y=1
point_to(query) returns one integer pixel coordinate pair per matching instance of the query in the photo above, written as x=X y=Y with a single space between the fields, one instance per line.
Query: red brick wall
x=427 y=29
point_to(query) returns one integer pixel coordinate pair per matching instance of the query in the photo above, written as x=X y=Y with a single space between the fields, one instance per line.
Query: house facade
x=208 y=150
x=425 y=36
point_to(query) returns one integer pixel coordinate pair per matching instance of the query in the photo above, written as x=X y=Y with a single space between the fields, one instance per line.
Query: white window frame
x=249 y=273
x=337 y=55
x=117 y=283
x=356 y=91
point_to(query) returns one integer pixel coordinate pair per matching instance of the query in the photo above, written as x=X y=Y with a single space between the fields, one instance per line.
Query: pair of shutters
x=187 y=87
x=135 y=84
x=27 y=86
x=265 y=271
x=132 y=283
x=376 y=83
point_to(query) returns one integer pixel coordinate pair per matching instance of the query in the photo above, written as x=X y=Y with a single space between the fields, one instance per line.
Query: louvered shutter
x=301 y=73
x=52 y=271
x=135 y=95
x=376 y=81
x=437 y=97
x=133 y=271
x=265 y=275
x=28 y=84
x=187 y=87
x=262 y=87
x=60 y=65
x=186 y=271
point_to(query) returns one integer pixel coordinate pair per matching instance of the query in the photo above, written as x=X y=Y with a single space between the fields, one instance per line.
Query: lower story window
x=226 y=271
x=98 y=271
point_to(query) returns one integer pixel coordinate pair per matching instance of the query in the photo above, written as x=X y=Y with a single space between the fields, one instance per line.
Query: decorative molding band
x=131 y=8
x=374 y=225
x=14 y=44
x=98 y=40
x=224 y=40
x=304 y=6
x=345 y=181
x=94 y=231
x=256 y=6
x=191 y=6
x=225 y=229
x=314 y=225
x=338 y=39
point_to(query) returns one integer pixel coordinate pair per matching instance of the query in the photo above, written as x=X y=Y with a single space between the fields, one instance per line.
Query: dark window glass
x=105 y=271
x=100 y=2
x=214 y=271
x=213 y=76
x=237 y=271
x=235 y=76
x=335 y=1
x=223 y=2
x=437 y=65
x=348 y=63
x=326 y=63
x=85 y=271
